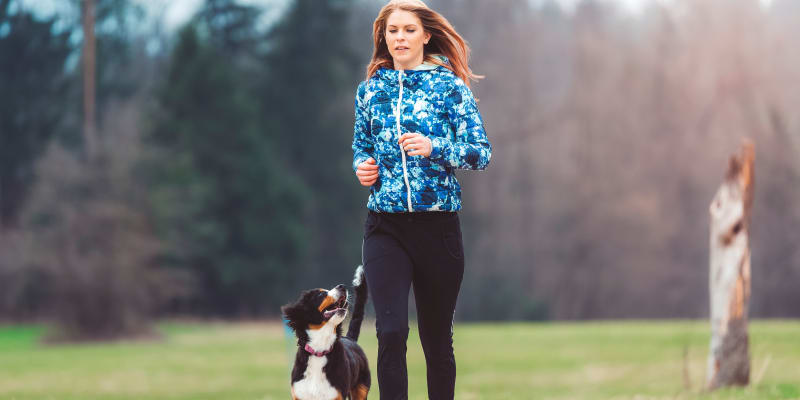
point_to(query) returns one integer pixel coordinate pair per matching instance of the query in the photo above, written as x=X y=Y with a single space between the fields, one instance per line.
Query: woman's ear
x=427 y=37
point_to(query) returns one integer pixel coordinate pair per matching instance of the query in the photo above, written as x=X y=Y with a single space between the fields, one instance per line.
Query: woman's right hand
x=367 y=172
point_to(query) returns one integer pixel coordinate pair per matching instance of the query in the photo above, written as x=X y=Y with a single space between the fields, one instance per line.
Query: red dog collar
x=316 y=353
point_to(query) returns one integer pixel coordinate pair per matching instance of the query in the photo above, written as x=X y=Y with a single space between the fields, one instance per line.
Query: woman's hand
x=367 y=172
x=416 y=144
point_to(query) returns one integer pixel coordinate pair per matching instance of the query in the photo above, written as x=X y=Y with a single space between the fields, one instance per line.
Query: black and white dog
x=328 y=366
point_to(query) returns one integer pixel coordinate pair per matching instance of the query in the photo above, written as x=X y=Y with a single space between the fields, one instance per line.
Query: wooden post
x=89 y=135
x=729 y=280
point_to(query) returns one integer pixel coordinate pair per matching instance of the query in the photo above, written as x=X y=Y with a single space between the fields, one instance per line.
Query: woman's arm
x=362 y=143
x=471 y=149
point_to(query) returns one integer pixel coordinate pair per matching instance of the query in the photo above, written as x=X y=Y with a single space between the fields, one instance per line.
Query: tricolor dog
x=328 y=365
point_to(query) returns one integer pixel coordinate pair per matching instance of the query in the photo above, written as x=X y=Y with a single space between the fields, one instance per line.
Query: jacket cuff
x=358 y=160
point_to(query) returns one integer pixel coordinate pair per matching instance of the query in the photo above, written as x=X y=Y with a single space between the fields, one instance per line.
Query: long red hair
x=444 y=40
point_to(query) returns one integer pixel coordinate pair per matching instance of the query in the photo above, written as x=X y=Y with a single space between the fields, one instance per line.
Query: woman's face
x=405 y=39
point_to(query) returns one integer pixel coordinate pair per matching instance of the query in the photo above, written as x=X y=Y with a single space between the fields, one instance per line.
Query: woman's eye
x=392 y=31
x=412 y=30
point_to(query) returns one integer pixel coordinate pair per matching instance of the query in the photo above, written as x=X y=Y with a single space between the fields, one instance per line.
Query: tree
x=34 y=86
x=307 y=94
x=227 y=206
x=84 y=247
x=93 y=246
x=729 y=274
x=89 y=78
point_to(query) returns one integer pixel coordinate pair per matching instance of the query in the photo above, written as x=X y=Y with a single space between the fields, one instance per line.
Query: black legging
x=423 y=249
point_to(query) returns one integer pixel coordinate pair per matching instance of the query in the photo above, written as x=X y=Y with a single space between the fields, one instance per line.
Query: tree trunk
x=89 y=80
x=729 y=280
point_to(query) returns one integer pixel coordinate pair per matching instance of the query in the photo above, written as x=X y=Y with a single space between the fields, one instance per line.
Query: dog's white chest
x=315 y=385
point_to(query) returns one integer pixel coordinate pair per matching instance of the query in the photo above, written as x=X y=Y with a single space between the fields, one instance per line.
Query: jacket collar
x=413 y=74
x=427 y=65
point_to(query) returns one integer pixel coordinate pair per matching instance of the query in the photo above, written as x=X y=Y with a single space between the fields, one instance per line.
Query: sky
x=178 y=12
x=175 y=12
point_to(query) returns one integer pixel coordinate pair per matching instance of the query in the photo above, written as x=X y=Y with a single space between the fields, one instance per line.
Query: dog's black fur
x=346 y=369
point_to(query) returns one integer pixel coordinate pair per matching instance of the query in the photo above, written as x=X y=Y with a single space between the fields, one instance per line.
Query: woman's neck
x=411 y=65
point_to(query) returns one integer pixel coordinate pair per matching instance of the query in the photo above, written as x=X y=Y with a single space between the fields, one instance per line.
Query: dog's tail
x=360 y=284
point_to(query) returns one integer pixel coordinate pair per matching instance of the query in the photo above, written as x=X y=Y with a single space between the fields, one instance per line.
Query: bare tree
x=89 y=77
x=729 y=280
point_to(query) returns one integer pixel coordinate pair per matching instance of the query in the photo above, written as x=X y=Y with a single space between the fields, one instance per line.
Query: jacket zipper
x=402 y=152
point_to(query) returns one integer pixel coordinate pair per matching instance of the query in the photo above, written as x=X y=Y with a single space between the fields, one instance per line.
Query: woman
x=416 y=123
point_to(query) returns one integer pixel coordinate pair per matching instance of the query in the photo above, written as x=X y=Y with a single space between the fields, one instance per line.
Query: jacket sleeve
x=471 y=149
x=362 y=141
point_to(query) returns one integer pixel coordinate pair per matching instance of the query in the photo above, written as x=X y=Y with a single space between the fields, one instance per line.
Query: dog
x=328 y=365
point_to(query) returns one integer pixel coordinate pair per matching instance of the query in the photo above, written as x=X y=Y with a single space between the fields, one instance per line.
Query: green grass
x=598 y=360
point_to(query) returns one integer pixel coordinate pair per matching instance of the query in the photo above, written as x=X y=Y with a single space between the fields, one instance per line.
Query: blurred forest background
x=221 y=184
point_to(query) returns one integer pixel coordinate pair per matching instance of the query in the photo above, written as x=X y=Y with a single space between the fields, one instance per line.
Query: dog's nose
x=339 y=287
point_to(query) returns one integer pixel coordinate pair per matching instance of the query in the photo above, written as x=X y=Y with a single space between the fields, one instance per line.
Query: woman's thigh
x=388 y=271
x=437 y=279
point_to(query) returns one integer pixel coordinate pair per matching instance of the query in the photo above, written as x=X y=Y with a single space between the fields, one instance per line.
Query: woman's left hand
x=416 y=144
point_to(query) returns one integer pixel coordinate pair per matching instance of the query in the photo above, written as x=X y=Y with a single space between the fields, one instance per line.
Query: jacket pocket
x=451 y=236
x=427 y=175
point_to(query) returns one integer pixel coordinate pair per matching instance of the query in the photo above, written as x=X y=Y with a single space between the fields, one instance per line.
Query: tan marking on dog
x=317 y=327
x=359 y=393
x=325 y=303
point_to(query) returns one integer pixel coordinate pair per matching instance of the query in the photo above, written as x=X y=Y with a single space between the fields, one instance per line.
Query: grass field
x=603 y=360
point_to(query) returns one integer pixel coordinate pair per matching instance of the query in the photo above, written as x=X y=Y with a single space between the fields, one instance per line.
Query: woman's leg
x=388 y=271
x=437 y=281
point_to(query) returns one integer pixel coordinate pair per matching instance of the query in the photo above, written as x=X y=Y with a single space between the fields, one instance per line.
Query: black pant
x=423 y=249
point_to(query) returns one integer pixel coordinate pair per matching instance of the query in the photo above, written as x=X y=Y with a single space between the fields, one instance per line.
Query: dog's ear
x=294 y=314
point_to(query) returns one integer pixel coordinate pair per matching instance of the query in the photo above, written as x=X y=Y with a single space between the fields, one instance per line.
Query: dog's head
x=317 y=309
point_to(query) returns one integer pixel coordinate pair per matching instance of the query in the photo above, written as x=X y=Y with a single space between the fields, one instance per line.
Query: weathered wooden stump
x=729 y=280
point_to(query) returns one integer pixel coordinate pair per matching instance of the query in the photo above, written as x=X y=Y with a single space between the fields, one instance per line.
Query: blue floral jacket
x=430 y=100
